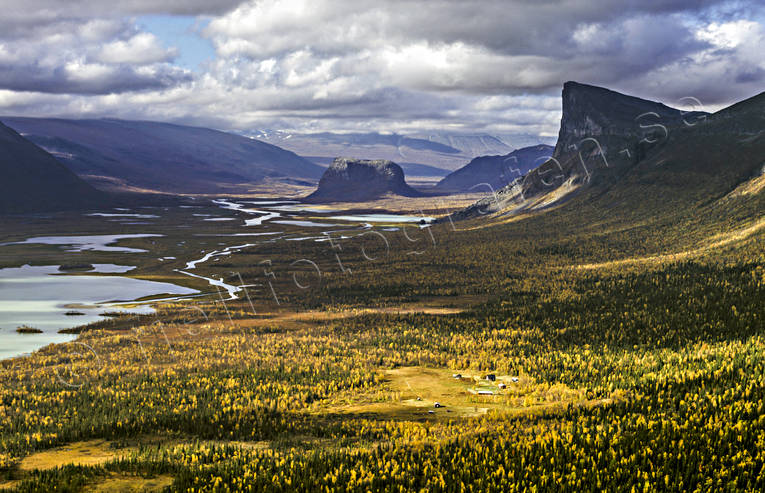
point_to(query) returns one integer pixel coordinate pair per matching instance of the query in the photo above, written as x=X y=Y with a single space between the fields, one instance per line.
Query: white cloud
x=141 y=49
x=92 y=56
x=730 y=34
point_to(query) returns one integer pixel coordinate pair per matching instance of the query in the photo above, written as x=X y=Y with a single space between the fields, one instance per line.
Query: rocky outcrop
x=495 y=171
x=359 y=180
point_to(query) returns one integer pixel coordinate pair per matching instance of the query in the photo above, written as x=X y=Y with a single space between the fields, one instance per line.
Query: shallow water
x=99 y=243
x=108 y=214
x=256 y=221
x=270 y=202
x=231 y=289
x=310 y=224
x=303 y=208
x=382 y=218
x=40 y=297
x=13 y=344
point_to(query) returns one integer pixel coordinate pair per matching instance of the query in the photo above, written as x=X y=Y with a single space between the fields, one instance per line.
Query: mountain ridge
x=163 y=156
x=445 y=151
x=496 y=171
x=32 y=180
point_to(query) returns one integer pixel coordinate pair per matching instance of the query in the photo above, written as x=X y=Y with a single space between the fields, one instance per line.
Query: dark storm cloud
x=482 y=47
x=87 y=80
x=494 y=65
x=50 y=9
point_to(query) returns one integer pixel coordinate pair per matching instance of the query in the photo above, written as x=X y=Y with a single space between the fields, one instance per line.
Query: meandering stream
x=47 y=299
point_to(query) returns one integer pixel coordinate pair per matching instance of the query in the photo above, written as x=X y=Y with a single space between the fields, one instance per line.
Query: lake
x=98 y=243
x=40 y=297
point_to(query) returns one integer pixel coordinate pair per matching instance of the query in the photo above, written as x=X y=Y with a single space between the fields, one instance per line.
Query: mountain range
x=120 y=154
x=425 y=155
x=611 y=147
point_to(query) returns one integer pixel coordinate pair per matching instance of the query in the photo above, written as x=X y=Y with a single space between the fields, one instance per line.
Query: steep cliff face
x=358 y=180
x=496 y=171
x=602 y=133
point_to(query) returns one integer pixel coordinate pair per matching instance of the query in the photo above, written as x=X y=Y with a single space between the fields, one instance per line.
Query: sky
x=404 y=66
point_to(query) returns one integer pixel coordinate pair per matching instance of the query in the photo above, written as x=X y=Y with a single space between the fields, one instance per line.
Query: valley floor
x=546 y=354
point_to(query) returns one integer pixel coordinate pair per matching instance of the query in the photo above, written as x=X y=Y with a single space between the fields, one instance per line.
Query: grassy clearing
x=87 y=453
x=122 y=483
x=6 y=485
x=414 y=392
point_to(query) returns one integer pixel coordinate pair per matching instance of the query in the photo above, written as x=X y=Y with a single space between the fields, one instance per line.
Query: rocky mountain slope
x=32 y=180
x=359 y=180
x=495 y=171
x=602 y=133
x=161 y=156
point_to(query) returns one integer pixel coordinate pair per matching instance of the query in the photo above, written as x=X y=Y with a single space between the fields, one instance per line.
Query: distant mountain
x=162 y=156
x=695 y=158
x=359 y=180
x=496 y=171
x=470 y=144
x=443 y=151
x=31 y=180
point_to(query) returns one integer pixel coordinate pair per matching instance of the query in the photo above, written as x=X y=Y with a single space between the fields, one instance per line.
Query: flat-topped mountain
x=32 y=180
x=359 y=180
x=496 y=171
x=120 y=154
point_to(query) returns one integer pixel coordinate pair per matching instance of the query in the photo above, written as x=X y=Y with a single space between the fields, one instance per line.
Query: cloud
x=399 y=65
x=730 y=66
x=80 y=77
x=36 y=11
x=473 y=47
x=93 y=56
x=141 y=49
